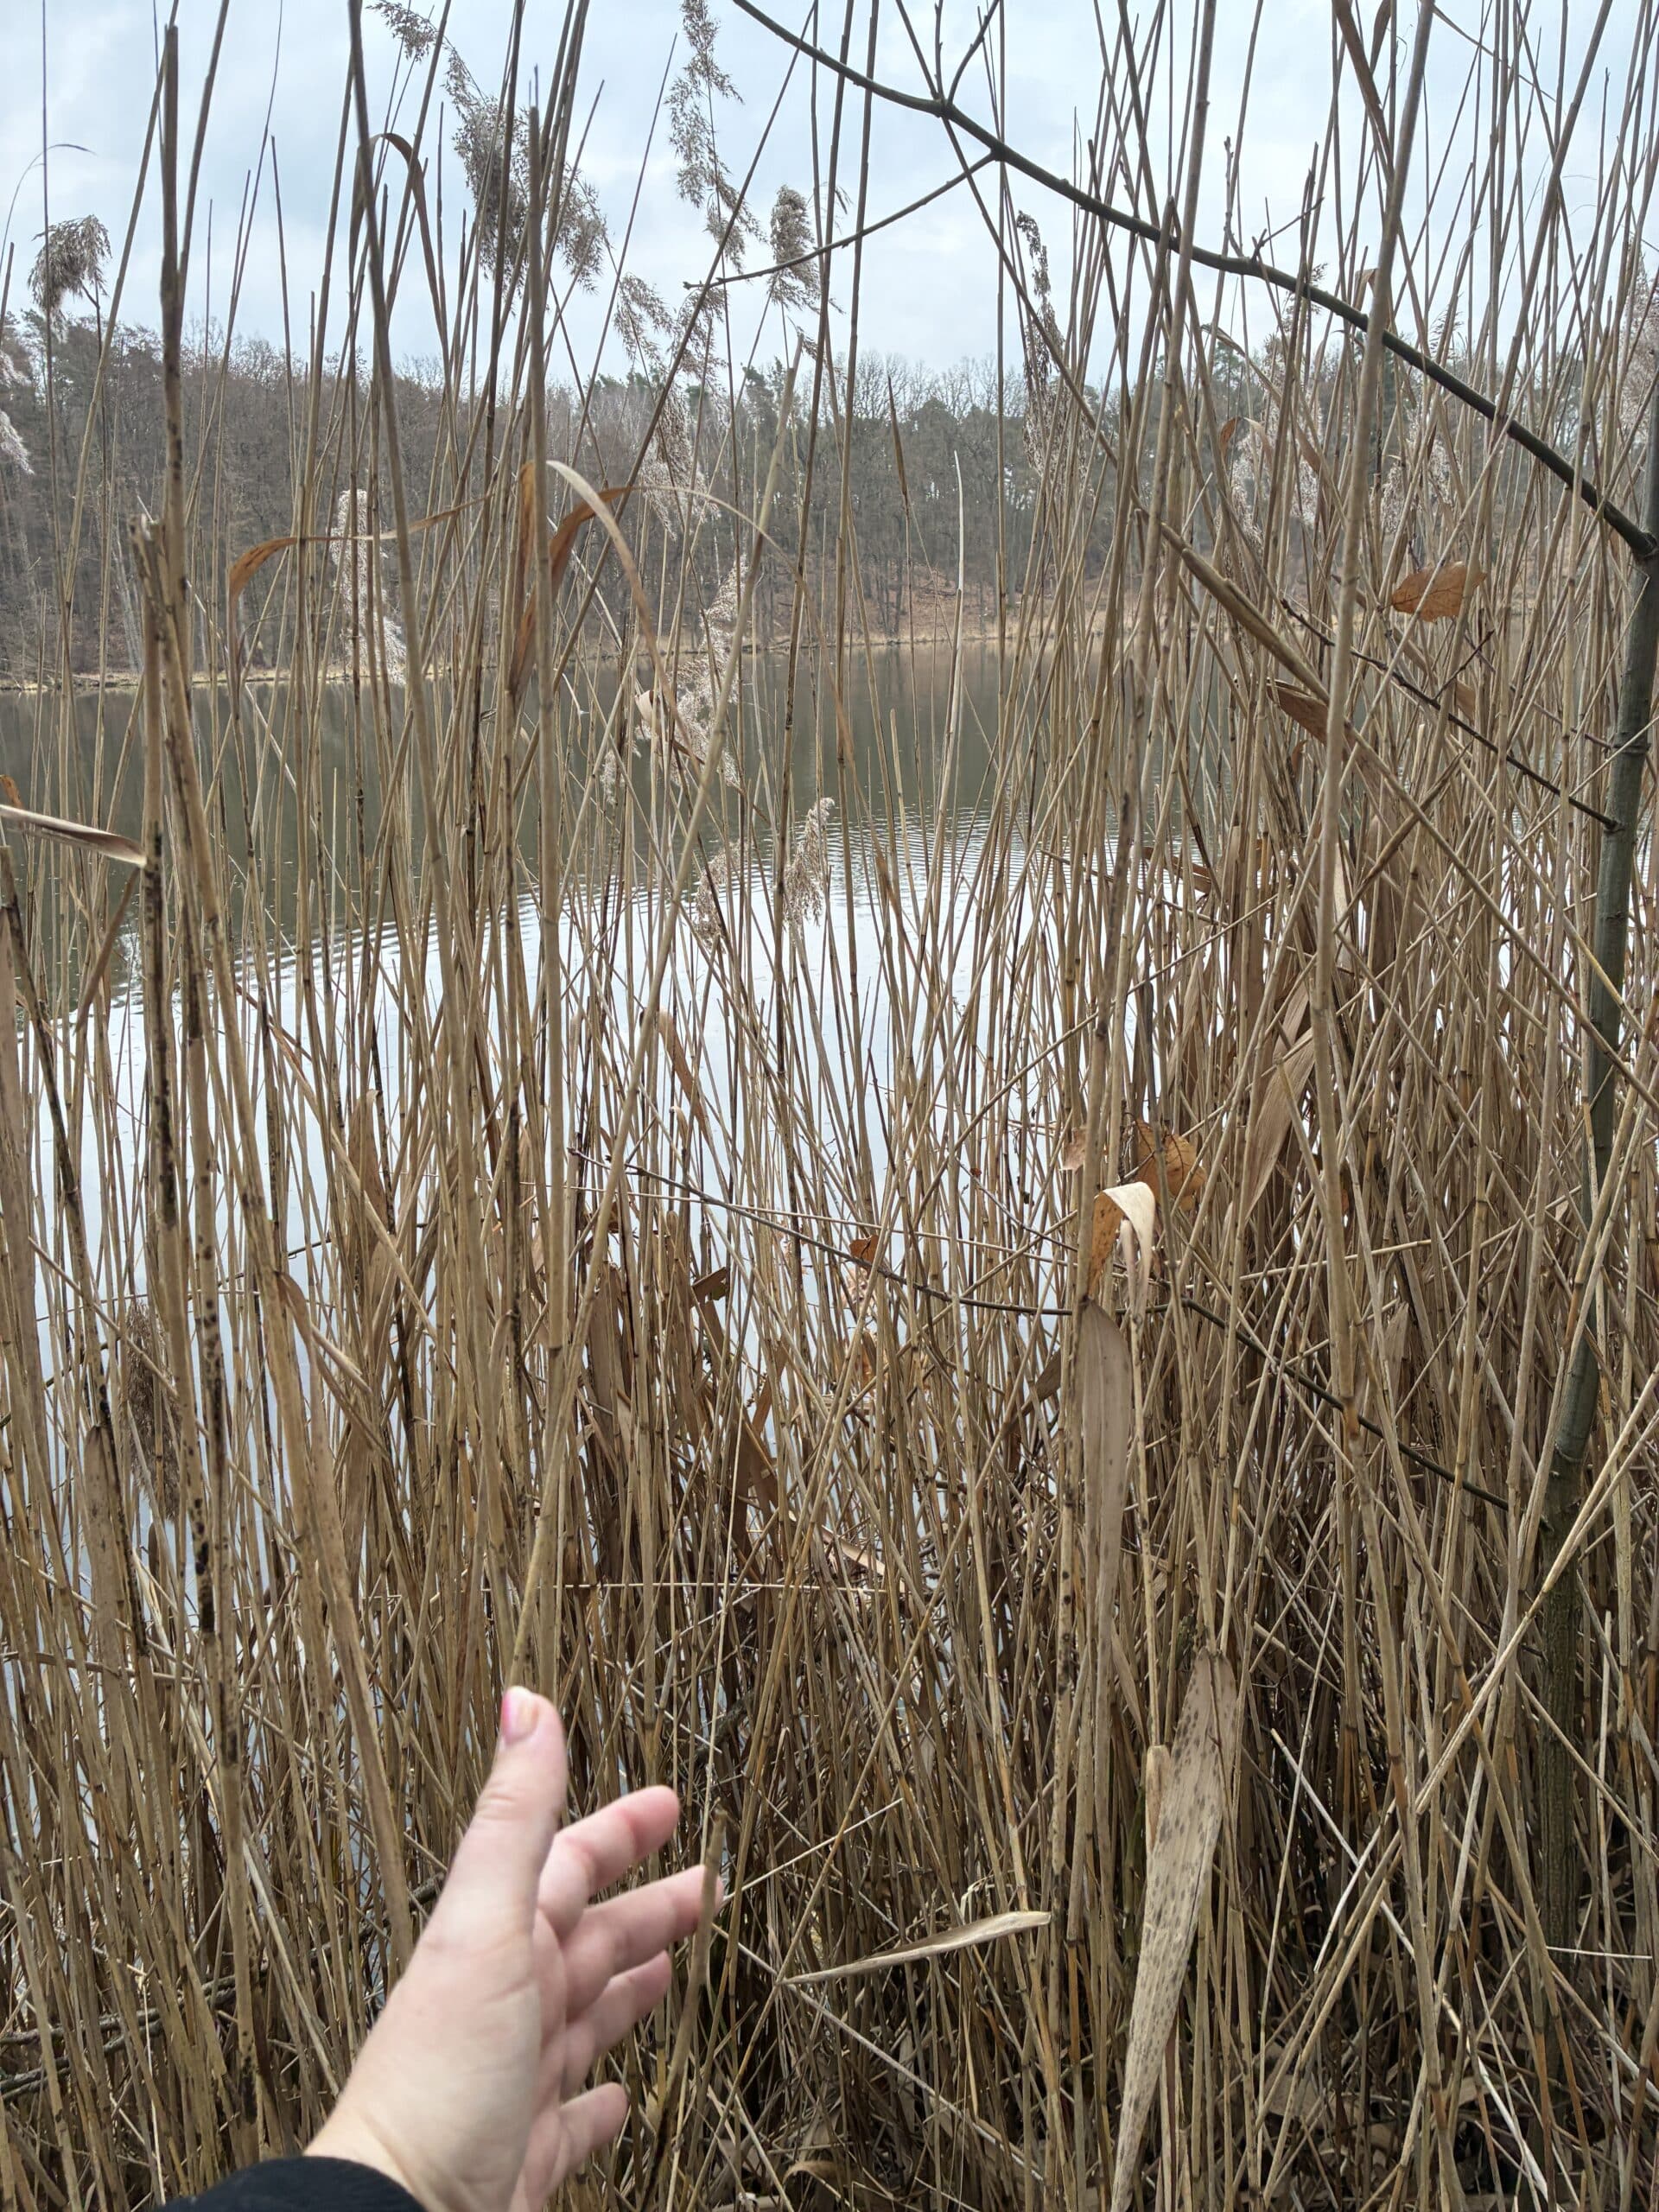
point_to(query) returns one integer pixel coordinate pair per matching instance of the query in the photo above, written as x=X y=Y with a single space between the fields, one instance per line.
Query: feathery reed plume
x=70 y=261
x=143 y=1426
x=1251 y=458
x=416 y=34
x=806 y=878
x=13 y=451
x=708 y=924
x=352 y=550
x=1167 y=1664
x=793 y=282
x=1639 y=367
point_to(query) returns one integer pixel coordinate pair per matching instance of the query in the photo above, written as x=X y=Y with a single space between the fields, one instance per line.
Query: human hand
x=469 y=2089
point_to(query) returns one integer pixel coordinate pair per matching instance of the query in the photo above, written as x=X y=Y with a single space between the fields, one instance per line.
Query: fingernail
x=520 y=1711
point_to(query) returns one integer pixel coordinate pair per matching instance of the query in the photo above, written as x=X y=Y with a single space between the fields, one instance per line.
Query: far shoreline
x=89 y=682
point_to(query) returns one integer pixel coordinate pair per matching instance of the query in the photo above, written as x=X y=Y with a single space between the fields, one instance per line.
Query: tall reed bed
x=992 y=1288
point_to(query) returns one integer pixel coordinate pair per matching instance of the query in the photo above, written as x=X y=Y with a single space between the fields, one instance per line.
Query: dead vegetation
x=1037 y=1372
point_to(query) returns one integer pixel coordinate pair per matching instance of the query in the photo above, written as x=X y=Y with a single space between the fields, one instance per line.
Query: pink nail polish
x=520 y=1711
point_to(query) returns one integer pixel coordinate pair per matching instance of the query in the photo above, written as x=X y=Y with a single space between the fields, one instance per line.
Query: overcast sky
x=929 y=285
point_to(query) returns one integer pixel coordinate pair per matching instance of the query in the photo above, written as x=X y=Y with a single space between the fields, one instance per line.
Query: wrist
x=341 y=2137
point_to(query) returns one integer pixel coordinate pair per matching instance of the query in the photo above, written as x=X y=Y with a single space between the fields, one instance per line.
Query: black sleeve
x=302 y=2185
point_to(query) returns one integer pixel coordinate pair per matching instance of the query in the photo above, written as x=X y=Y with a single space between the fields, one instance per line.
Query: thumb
x=489 y=1897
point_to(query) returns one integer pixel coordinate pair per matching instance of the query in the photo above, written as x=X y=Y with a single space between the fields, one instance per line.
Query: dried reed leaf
x=246 y=566
x=524 y=536
x=857 y=1561
x=1073 y=1145
x=756 y=1474
x=1275 y=1109
x=1178 y=1865
x=1307 y=712
x=683 y=1070
x=898 y=448
x=1105 y=1415
x=1434 y=594
x=609 y=1357
x=954 y=1939
x=1125 y=1214
x=1108 y=1219
x=884 y=880
x=417 y=193
x=364 y=1153
x=1155 y=1782
x=365 y=1214
x=560 y=546
x=108 y=843
x=1138 y=1204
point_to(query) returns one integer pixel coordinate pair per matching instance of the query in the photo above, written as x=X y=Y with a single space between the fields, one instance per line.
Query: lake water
x=83 y=759
x=930 y=804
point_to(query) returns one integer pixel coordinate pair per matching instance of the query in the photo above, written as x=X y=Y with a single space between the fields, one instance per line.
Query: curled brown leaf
x=1435 y=594
x=1183 y=1171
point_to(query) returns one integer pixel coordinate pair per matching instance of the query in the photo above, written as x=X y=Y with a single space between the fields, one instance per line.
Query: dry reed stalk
x=696 y=1308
